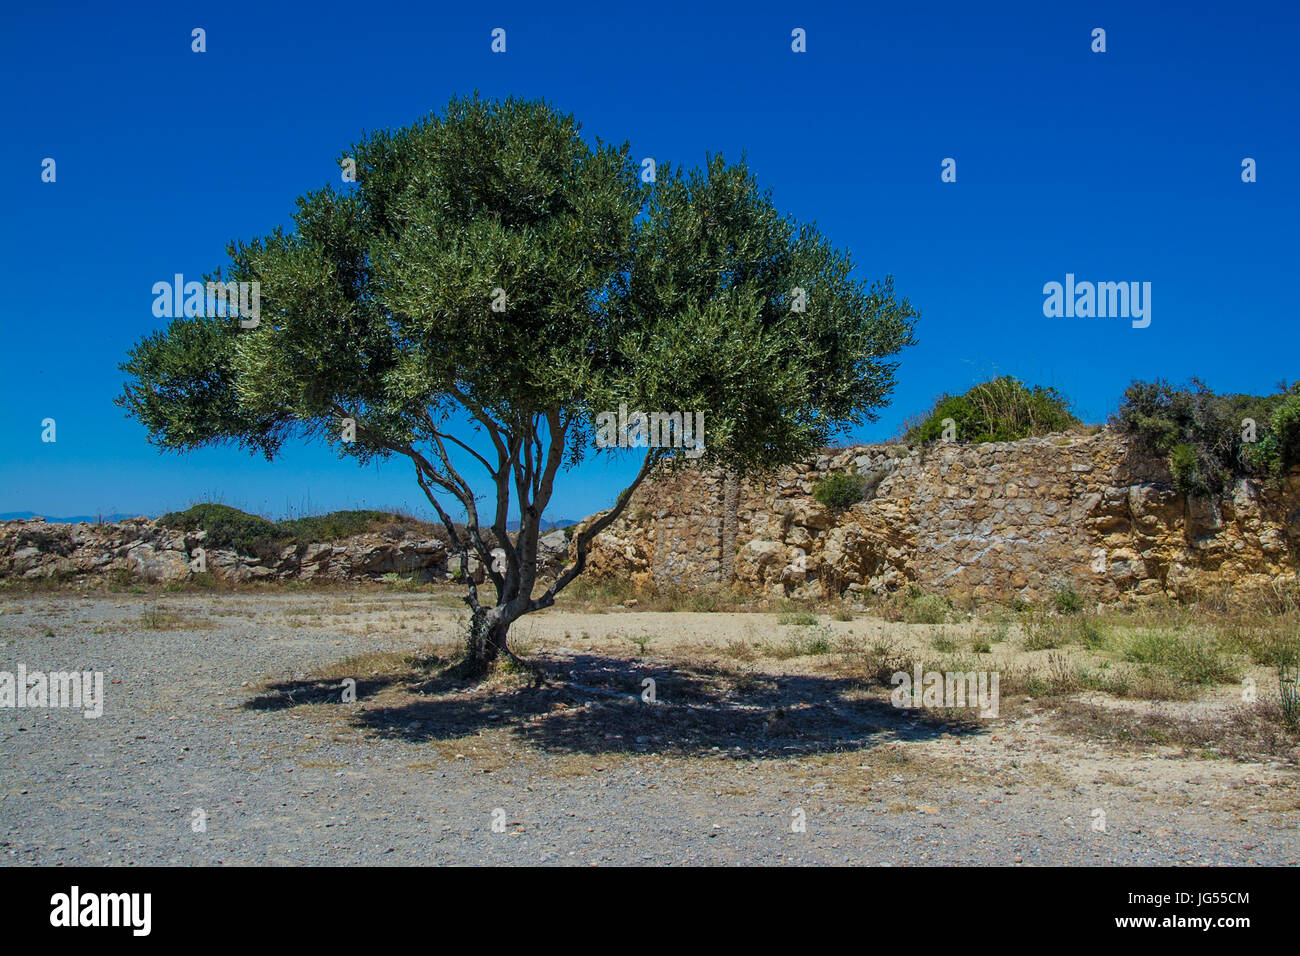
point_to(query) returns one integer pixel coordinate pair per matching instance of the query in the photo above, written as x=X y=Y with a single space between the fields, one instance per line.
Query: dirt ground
x=662 y=737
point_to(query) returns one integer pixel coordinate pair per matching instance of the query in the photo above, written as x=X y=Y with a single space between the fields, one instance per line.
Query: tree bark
x=486 y=641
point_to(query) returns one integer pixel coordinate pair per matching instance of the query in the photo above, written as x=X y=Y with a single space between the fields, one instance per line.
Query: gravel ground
x=403 y=779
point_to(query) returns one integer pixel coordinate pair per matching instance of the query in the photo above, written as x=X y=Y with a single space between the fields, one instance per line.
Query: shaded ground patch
x=610 y=705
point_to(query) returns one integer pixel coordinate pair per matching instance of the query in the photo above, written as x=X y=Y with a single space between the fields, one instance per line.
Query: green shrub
x=1002 y=409
x=927 y=609
x=840 y=490
x=1284 y=429
x=800 y=618
x=944 y=643
x=1186 y=468
x=1042 y=633
x=1067 y=600
x=1186 y=658
x=882 y=659
x=401 y=582
x=228 y=527
x=1201 y=434
x=51 y=540
x=820 y=642
x=336 y=525
x=1088 y=632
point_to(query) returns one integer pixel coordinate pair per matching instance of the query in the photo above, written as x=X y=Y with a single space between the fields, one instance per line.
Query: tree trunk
x=486 y=641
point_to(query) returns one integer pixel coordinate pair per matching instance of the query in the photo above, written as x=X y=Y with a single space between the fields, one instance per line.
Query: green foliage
x=708 y=311
x=377 y=305
x=944 y=643
x=492 y=270
x=813 y=643
x=1001 y=409
x=1187 y=658
x=1042 y=633
x=1200 y=433
x=840 y=490
x=1284 y=430
x=339 y=524
x=48 y=539
x=229 y=527
x=820 y=642
x=1184 y=463
x=1089 y=633
x=1067 y=600
x=802 y=618
x=927 y=609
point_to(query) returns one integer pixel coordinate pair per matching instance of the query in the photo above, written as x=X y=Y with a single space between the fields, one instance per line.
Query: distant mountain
x=546 y=525
x=75 y=519
x=110 y=518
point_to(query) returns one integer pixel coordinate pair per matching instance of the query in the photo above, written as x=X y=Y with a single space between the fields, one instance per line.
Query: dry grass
x=1243 y=733
x=731 y=670
x=170 y=619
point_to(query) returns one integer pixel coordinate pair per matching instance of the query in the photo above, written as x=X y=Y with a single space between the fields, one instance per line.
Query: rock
x=1204 y=518
x=25 y=559
x=764 y=552
x=317 y=552
x=160 y=567
x=799 y=537
x=554 y=541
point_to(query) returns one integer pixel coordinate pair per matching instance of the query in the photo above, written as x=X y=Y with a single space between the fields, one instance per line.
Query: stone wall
x=140 y=549
x=987 y=523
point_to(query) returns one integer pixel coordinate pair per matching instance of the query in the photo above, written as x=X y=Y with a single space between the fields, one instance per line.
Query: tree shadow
x=295 y=693
x=608 y=705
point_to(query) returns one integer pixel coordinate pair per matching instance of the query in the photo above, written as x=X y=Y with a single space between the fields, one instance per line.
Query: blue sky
x=1115 y=166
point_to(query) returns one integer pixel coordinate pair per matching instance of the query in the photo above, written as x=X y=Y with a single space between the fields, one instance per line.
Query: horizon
x=1115 y=167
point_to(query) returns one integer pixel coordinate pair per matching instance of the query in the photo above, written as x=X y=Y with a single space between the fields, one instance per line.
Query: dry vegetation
x=769 y=673
x=758 y=677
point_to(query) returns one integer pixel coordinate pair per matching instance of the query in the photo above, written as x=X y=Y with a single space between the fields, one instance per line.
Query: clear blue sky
x=1117 y=166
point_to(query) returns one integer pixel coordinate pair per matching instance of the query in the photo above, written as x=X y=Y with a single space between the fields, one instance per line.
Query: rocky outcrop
x=988 y=523
x=139 y=549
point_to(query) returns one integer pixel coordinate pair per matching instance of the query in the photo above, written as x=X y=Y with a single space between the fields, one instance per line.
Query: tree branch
x=586 y=536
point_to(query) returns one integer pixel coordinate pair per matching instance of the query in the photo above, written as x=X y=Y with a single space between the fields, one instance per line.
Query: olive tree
x=489 y=286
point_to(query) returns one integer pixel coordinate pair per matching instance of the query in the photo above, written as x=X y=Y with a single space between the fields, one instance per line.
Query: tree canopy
x=490 y=263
